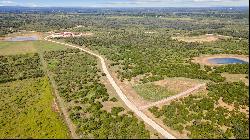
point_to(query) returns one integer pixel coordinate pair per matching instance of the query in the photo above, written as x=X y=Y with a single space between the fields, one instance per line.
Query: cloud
x=7 y=2
x=126 y=3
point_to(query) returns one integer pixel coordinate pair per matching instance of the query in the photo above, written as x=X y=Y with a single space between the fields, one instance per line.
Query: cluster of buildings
x=66 y=34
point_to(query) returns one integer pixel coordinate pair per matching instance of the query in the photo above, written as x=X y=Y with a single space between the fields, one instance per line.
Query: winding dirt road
x=129 y=104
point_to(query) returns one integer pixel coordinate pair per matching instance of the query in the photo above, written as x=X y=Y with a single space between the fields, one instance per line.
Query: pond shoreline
x=204 y=59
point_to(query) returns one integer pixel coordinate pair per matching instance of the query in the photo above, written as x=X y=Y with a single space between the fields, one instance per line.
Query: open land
x=146 y=59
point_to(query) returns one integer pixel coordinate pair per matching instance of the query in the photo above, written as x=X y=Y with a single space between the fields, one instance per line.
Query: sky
x=124 y=3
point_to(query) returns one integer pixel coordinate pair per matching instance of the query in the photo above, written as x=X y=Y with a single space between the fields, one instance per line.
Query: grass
x=200 y=38
x=26 y=112
x=236 y=77
x=13 y=48
x=153 y=92
x=179 y=84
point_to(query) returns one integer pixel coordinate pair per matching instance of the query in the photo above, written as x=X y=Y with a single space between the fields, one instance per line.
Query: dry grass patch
x=236 y=78
x=12 y=48
x=158 y=90
x=178 y=84
x=201 y=38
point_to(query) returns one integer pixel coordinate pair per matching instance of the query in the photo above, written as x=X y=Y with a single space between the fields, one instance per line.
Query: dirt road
x=172 y=97
x=129 y=104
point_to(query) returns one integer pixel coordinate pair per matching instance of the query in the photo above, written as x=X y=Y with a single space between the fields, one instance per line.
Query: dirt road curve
x=130 y=105
x=172 y=97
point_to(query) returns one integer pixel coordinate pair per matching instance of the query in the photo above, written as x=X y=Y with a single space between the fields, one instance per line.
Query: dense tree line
x=233 y=68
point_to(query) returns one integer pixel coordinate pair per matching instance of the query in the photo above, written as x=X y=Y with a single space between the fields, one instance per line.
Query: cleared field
x=153 y=92
x=26 y=110
x=201 y=38
x=161 y=89
x=12 y=48
x=236 y=77
x=178 y=84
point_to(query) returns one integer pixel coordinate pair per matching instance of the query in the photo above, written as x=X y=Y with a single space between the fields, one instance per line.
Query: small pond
x=22 y=38
x=226 y=61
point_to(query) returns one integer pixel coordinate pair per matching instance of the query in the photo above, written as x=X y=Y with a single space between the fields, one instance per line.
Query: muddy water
x=22 y=38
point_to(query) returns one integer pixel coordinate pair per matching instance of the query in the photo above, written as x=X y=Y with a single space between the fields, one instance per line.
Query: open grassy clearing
x=201 y=38
x=153 y=92
x=158 y=90
x=26 y=110
x=179 y=84
x=12 y=48
x=236 y=77
x=23 y=47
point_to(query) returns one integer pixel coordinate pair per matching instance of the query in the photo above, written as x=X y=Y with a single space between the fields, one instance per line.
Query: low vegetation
x=26 y=110
x=18 y=67
x=26 y=98
x=77 y=78
x=203 y=116
x=24 y=47
x=153 y=92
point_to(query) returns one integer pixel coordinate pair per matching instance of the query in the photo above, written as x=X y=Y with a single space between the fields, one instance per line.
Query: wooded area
x=77 y=78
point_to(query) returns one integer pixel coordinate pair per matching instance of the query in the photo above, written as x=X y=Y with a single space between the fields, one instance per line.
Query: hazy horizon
x=126 y=3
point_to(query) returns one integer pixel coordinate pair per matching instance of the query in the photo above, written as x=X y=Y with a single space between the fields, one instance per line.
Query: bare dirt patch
x=87 y=34
x=55 y=107
x=225 y=105
x=203 y=60
x=201 y=38
x=231 y=107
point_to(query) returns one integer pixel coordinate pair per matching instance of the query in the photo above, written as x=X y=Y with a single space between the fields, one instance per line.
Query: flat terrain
x=26 y=110
x=152 y=49
x=203 y=59
x=201 y=38
x=153 y=92
x=142 y=133
x=236 y=77
x=161 y=89
x=23 y=47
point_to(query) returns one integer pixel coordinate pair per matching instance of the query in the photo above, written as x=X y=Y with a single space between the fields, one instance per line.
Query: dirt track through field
x=60 y=102
x=128 y=103
x=189 y=91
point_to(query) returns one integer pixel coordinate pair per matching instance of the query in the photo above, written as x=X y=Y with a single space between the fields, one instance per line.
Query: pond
x=22 y=38
x=226 y=61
